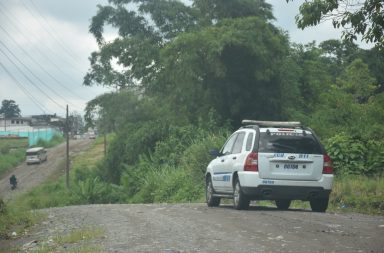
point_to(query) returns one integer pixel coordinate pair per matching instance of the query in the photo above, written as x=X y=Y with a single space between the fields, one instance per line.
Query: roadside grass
x=350 y=194
x=56 y=140
x=79 y=235
x=15 y=218
x=358 y=194
x=77 y=241
x=12 y=152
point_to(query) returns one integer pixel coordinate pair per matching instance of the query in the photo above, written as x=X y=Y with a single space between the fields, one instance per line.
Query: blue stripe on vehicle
x=222 y=176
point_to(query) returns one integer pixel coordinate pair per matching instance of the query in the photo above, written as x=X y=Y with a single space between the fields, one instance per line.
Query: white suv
x=269 y=160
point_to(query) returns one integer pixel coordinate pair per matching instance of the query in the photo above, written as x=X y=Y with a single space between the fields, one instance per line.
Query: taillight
x=251 y=162
x=327 y=168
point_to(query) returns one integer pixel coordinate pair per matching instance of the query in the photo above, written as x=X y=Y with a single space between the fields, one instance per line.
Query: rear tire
x=319 y=205
x=240 y=201
x=212 y=201
x=283 y=204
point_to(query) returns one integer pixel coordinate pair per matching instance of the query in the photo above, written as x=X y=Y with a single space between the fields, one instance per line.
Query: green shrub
x=174 y=171
x=8 y=161
x=93 y=190
x=56 y=139
x=351 y=155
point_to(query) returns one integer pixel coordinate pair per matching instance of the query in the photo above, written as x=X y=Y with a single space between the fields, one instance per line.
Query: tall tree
x=357 y=81
x=208 y=55
x=9 y=108
x=357 y=17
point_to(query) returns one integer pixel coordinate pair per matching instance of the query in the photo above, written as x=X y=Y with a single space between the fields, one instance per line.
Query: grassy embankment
x=12 y=152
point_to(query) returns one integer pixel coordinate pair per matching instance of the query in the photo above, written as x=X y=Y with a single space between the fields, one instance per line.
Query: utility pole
x=105 y=144
x=67 y=155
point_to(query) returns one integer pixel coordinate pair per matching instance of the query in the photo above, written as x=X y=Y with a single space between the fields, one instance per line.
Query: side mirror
x=214 y=152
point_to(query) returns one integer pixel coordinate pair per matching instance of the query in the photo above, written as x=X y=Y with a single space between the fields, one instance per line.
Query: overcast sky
x=45 y=45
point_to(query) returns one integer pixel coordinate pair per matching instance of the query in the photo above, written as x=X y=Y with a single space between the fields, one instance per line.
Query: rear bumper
x=273 y=192
x=268 y=189
x=31 y=161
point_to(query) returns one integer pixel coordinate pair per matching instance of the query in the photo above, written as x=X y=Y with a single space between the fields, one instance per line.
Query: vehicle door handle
x=222 y=160
x=234 y=158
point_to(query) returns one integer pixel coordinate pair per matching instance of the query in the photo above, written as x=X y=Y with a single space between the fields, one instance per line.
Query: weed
x=79 y=235
x=71 y=242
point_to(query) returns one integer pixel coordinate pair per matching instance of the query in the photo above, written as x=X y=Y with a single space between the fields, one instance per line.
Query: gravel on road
x=171 y=228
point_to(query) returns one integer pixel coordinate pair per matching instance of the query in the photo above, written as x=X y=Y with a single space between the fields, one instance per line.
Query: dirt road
x=29 y=176
x=197 y=228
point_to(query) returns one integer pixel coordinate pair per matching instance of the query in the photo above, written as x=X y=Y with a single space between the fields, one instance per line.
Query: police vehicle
x=270 y=160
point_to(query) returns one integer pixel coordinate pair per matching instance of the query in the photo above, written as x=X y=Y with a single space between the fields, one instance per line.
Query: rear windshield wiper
x=285 y=147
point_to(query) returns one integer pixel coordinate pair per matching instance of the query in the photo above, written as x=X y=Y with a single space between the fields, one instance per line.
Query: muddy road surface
x=168 y=228
x=29 y=176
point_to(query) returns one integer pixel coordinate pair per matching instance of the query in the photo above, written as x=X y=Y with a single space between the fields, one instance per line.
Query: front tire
x=319 y=205
x=212 y=201
x=283 y=204
x=240 y=201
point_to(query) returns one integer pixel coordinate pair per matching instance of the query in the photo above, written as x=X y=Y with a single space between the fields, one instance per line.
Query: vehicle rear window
x=238 y=144
x=248 y=146
x=301 y=144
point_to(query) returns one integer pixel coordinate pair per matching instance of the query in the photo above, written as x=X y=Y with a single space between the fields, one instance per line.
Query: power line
x=38 y=64
x=36 y=86
x=24 y=90
x=34 y=75
x=27 y=38
x=51 y=51
x=68 y=52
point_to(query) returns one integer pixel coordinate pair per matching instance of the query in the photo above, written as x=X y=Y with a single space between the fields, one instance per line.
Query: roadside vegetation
x=56 y=140
x=200 y=76
x=12 y=152
x=184 y=84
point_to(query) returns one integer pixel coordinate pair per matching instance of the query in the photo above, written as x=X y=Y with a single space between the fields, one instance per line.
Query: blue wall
x=34 y=135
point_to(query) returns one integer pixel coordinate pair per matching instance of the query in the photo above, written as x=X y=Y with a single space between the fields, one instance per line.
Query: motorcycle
x=13 y=182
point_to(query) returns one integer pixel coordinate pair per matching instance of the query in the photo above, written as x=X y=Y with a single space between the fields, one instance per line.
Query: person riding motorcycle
x=13 y=181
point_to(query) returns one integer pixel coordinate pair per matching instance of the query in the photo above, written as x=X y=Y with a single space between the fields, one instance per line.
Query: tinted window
x=289 y=144
x=228 y=145
x=239 y=143
x=248 y=146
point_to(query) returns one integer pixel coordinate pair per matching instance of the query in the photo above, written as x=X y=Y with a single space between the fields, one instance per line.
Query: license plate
x=291 y=166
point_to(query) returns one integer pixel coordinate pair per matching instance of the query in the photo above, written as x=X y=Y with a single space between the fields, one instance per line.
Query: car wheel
x=209 y=192
x=319 y=205
x=240 y=201
x=283 y=204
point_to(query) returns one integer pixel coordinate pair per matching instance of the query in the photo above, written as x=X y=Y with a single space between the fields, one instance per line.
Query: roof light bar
x=272 y=123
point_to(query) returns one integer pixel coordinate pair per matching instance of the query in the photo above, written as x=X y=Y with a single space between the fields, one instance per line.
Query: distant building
x=34 y=127
x=15 y=122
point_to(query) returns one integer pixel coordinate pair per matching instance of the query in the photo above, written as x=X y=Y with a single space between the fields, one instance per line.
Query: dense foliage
x=359 y=17
x=187 y=74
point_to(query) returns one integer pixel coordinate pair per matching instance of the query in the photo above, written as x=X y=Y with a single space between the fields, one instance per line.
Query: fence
x=33 y=134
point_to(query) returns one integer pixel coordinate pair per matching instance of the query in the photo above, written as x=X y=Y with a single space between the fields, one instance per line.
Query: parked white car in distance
x=36 y=155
